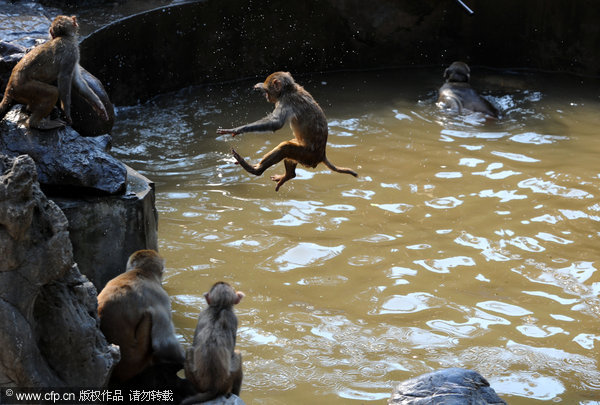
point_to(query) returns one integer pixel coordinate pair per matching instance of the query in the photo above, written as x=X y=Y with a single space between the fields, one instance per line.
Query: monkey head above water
x=295 y=105
x=135 y=314
x=46 y=75
x=458 y=95
x=211 y=363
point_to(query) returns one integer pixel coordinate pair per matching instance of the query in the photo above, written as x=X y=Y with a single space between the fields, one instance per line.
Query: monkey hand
x=101 y=110
x=222 y=131
x=259 y=87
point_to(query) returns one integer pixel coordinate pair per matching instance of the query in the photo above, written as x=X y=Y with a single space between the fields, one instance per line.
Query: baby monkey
x=46 y=74
x=308 y=123
x=211 y=363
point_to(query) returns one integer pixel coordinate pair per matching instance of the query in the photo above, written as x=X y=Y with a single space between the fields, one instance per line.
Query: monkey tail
x=7 y=102
x=339 y=169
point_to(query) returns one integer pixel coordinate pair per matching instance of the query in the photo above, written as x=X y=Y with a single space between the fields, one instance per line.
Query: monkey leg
x=290 y=173
x=7 y=102
x=288 y=149
x=41 y=99
x=136 y=350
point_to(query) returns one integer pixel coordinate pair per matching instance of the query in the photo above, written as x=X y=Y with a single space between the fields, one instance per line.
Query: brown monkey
x=135 y=313
x=308 y=123
x=211 y=363
x=457 y=94
x=46 y=74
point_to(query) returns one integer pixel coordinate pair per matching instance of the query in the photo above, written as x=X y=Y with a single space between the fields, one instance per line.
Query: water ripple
x=444 y=203
x=537 y=139
x=444 y=265
x=538 y=185
x=302 y=255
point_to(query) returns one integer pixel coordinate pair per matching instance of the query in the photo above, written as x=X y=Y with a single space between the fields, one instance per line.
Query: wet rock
x=86 y=120
x=222 y=400
x=105 y=230
x=160 y=377
x=10 y=54
x=50 y=335
x=453 y=386
x=64 y=159
x=25 y=23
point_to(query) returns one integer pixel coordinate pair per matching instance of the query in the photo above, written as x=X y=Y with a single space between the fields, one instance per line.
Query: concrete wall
x=216 y=40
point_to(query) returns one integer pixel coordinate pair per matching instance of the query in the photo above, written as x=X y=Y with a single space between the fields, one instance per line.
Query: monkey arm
x=165 y=347
x=272 y=122
x=89 y=95
x=65 y=78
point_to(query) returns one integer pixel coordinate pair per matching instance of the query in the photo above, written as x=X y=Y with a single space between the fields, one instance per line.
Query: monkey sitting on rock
x=135 y=314
x=458 y=95
x=211 y=363
x=308 y=123
x=46 y=74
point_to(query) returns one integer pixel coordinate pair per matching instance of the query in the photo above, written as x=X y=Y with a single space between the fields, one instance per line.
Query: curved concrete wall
x=217 y=40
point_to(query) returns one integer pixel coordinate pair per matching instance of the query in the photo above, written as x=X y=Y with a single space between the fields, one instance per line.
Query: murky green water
x=462 y=244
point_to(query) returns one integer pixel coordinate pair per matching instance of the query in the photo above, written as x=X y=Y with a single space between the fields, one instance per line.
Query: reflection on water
x=463 y=243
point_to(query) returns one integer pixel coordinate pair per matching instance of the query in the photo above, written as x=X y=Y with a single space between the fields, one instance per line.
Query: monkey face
x=457 y=72
x=261 y=88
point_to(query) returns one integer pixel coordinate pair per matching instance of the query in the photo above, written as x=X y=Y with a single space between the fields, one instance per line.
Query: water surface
x=464 y=243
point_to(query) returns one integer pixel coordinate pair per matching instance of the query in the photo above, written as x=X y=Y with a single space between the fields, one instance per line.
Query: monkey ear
x=206 y=298
x=446 y=73
x=277 y=84
x=239 y=295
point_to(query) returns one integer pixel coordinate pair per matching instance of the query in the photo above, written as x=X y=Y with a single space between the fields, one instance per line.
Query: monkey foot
x=249 y=168
x=45 y=125
x=280 y=179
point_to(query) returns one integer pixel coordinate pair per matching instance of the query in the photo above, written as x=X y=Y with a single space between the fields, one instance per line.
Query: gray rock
x=105 y=230
x=50 y=335
x=64 y=158
x=222 y=400
x=232 y=399
x=452 y=386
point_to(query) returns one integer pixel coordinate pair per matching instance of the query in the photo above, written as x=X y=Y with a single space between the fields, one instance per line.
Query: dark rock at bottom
x=452 y=386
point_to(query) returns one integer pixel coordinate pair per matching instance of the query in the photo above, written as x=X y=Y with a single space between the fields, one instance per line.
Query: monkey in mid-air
x=211 y=363
x=135 y=314
x=458 y=95
x=45 y=75
x=308 y=123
